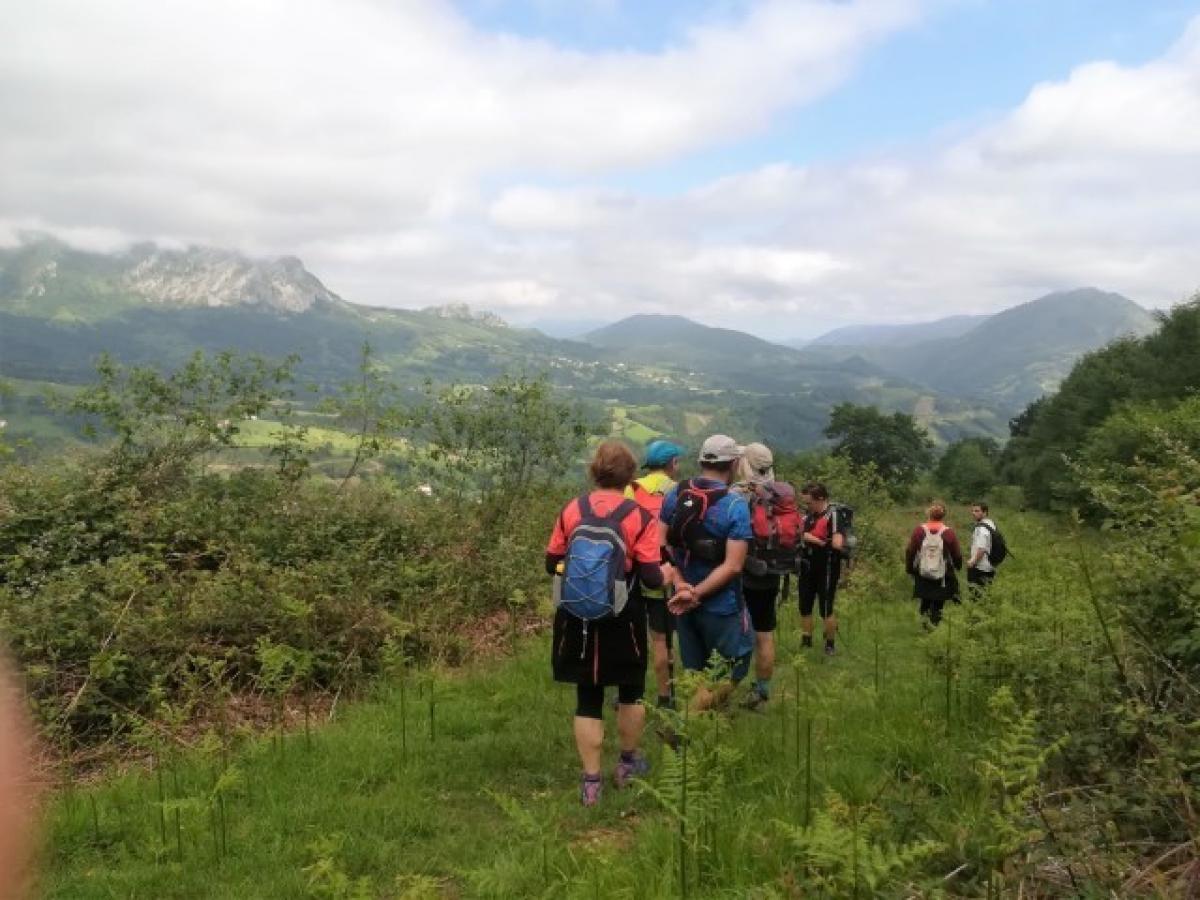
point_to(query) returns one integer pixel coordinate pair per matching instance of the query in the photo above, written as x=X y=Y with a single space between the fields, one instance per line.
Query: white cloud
x=268 y=123
x=1091 y=180
x=406 y=156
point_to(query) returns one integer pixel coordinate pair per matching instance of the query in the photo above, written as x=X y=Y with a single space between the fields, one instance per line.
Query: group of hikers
x=934 y=554
x=704 y=561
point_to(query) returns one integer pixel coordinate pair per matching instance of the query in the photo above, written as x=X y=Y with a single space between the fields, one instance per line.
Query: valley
x=61 y=308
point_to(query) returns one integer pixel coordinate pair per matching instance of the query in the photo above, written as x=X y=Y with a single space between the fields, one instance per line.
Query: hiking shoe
x=829 y=651
x=806 y=640
x=628 y=769
x=755 y=701
x=590 y=788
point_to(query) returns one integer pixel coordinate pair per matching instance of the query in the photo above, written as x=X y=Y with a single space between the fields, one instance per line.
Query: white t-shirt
x=981 y=539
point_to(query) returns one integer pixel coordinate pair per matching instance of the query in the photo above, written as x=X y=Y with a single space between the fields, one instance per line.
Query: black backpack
x=686 y=528
x=999 y=552
x=843 y=524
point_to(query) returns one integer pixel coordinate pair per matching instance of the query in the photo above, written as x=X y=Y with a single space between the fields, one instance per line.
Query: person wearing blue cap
x=662 y=463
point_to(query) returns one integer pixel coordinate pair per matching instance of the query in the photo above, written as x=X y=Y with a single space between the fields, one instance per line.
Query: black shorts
x=658 y=617
x=978 y=578
x=819 y=582
x=603 y=652
x=761 y=602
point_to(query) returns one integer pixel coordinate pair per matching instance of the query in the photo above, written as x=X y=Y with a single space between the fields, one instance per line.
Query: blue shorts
x=701 y=632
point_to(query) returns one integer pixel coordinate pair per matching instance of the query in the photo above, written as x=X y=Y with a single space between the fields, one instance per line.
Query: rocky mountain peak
x=202 y=276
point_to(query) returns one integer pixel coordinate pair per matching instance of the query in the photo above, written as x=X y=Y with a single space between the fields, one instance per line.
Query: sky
x=778 y=166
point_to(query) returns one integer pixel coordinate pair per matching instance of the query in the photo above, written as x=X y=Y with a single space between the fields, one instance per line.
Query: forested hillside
x=1115 y=410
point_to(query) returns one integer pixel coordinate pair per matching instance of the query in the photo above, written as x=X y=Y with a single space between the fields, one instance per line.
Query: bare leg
x=830 y=628
x=589 y=741
x=631 y=721
x=764 y=654
x=806 y=625
x=662 y=663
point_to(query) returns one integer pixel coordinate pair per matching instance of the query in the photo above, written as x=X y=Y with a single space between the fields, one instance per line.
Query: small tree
x=505 y=437
x=968 y=467
x=896 y=445
x=370 y=408
x=164 y=423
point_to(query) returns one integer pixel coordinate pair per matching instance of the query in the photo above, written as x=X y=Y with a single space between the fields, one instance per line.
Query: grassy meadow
x=873 y=773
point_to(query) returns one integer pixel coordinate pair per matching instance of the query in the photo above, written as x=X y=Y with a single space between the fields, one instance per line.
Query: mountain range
x=893 y=335
x=1008 y=359
x=61 y=307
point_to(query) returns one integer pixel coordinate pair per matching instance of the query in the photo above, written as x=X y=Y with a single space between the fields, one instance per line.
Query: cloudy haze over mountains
x=424 y=152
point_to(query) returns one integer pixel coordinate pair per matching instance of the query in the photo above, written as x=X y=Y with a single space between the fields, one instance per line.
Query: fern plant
x=328 y=879
x=842 y=853
x=1011 y=767
x=691 y=785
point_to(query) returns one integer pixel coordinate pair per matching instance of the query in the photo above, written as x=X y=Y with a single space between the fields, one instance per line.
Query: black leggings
x=589 y=698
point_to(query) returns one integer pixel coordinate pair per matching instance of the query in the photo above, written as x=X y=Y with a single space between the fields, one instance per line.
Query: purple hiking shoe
x=590 y=788
x=628 y=768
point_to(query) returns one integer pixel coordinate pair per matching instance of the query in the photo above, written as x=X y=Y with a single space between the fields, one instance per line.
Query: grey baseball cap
x=720 y=448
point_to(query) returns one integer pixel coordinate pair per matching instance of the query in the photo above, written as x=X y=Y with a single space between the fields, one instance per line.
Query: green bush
x=126 y=572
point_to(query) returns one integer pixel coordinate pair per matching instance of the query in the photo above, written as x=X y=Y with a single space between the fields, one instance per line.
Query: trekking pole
x=668 y=593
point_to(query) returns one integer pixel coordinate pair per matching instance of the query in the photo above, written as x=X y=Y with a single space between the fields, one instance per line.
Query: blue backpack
x=592 y=584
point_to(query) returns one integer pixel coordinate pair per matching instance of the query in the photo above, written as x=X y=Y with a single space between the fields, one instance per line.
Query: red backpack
x=776 y=522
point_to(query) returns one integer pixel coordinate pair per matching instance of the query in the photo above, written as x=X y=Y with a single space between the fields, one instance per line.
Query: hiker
x=662 y=461
x=981 y=571
x=705 y=529
x=775 y=521
x=932 y=556
x=600 y=542
x=823 y=541
x=20 y=787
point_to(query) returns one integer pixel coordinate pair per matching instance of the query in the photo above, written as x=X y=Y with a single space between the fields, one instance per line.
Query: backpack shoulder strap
x=716 y=494
x=585 y=506
x=623 y=509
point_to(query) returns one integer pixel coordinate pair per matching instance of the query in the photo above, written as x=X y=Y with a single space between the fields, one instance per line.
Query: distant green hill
x=893 y=335
x=1014 y=356
x=742 y=359
x=60 y=308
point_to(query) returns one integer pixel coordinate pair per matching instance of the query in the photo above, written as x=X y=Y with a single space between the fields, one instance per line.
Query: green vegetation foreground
x=901 y=766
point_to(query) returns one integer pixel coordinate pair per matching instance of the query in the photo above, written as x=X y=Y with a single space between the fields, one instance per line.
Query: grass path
x=473 y=793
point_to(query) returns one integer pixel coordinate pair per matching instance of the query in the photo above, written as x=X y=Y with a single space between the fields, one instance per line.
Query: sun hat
x=758 y=462
x=720 y=448
x=660 y=453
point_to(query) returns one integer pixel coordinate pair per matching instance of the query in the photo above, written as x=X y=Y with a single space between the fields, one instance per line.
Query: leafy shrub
x=968 y=468
x=126 y=572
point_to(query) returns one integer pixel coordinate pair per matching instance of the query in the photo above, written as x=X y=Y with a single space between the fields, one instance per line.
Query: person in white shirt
x=980 y=570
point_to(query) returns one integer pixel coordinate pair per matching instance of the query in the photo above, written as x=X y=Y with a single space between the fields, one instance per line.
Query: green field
x=625 y=426
x=463 y=784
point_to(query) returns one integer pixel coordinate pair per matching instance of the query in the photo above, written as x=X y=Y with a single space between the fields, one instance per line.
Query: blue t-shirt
x=729 y=518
